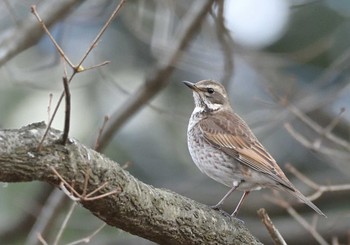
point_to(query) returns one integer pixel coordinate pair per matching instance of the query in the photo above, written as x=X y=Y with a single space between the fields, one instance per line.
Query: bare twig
x=64 y=224
x=160 y=77
x=103 y=29
x=327 y=130
x=84 y=196
x=41 y=239
x=67 y=111
x=316 y=127
x=274 y=233
x=310 y=228
x=97 y=142
x=58 y=48
x=310 y=145
x=88 y=238
x=95 y=66
x=49 y=107
x=320 y=189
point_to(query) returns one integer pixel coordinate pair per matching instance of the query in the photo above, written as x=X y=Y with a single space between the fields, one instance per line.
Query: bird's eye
x=210 y=90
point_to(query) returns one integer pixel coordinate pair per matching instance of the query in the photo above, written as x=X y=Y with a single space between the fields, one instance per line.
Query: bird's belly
x=211 y=160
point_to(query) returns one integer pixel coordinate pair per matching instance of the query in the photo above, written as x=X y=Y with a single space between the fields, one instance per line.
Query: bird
x=224 y=148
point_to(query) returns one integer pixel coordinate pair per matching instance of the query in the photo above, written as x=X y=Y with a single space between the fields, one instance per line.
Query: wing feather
x=231 y=134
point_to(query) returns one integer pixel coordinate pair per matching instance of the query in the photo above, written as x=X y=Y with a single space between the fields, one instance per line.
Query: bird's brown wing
x=232 y=135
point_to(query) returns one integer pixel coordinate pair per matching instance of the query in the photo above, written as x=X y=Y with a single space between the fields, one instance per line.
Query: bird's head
x=209 y=95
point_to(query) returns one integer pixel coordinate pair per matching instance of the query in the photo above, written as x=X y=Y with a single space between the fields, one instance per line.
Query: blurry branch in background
x=76 y=68
x=157 y=80
x=88 y=238
x=156 y=214
x=271 y=228
x=27 y=32
x=28 y=220
x=226 y=43
x=319 y=189
x=107 y=77
x=311 y=228
x=322 y=132
x=44 y=219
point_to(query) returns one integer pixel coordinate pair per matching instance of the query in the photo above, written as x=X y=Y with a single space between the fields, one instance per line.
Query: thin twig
x=96 y=66
x=274 y=233
x=307 y=226
x=97 y=142
x=311 y=229
x=316 y=127
x=88 y=238
x=64 y=224
x=49 y=107
x=103 y=29
x=75 y=196
x=58 y=48
x=310 y=145
x=320 y=189
x=327 y=130
x=41 y=239
x=67 y=111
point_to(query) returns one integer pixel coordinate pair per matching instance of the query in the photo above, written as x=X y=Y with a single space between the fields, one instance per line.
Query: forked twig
x=79 y=67
x=75 y=196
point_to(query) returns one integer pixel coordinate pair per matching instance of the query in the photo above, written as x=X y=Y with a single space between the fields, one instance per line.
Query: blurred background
x=285 y=63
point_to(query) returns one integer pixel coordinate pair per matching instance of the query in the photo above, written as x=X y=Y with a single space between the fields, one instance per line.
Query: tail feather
x=305 y=200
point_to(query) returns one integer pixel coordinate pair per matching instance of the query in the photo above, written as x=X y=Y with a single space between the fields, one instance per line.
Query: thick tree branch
x=156 y=214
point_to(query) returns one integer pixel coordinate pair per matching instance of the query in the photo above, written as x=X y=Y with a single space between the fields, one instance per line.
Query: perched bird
x=223 y=147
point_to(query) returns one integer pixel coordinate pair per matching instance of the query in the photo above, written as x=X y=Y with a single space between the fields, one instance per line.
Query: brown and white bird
x=223 y=147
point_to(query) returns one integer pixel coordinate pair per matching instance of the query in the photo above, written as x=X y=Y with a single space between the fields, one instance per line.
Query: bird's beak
x=191 y=85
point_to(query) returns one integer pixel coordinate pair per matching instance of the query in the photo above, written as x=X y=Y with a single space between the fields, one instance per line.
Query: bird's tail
x=304 y=199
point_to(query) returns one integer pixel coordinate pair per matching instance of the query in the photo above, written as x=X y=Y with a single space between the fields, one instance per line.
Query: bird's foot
x=217 y=207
